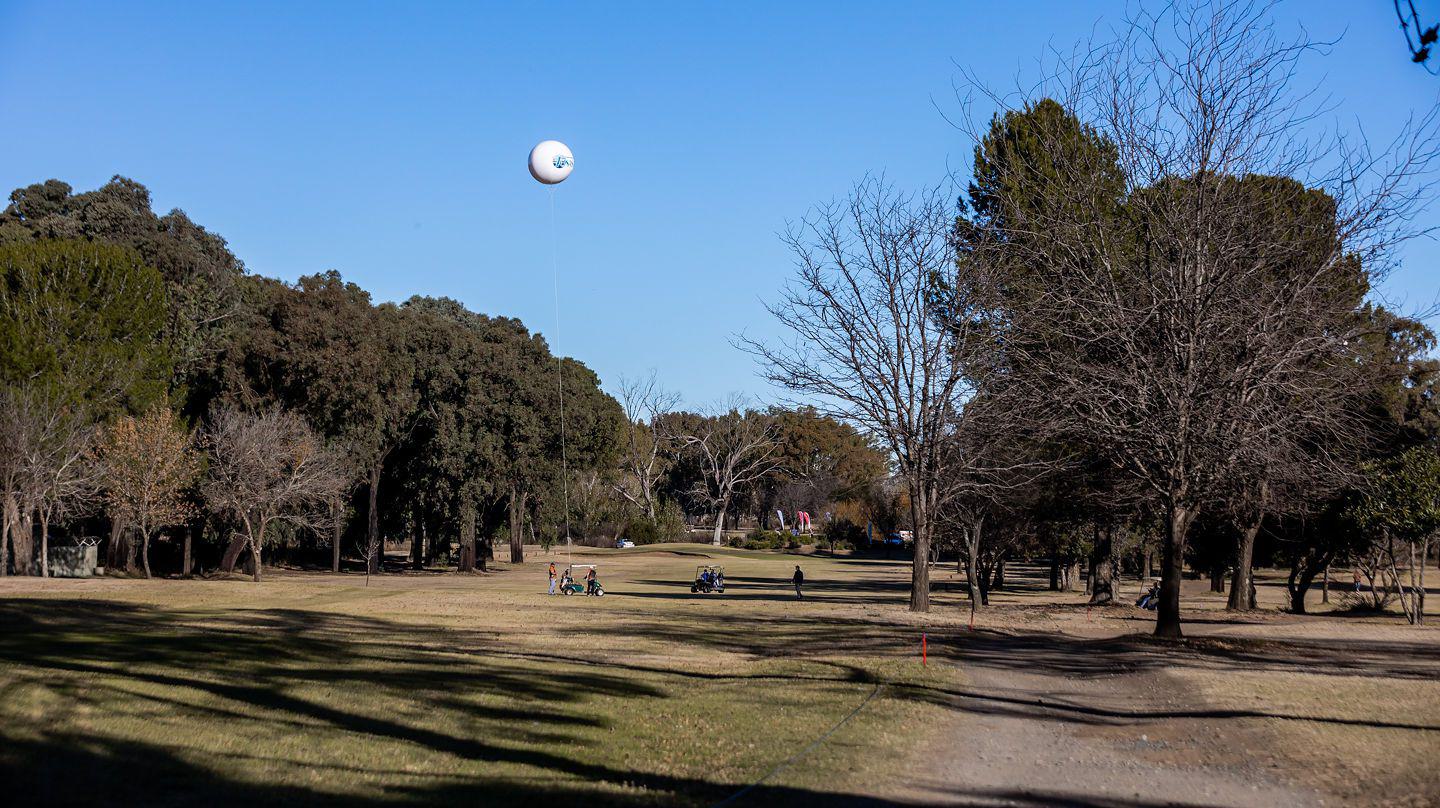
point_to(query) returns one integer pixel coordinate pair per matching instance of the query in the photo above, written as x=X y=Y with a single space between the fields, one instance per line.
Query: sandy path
x=1038 y=727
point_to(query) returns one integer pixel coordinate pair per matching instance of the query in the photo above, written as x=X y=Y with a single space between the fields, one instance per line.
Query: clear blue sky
x=388 y=141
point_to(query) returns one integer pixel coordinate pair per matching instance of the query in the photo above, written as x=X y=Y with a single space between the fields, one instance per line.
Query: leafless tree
x=886 y=336
x=47 y=468
x=645 y=402
x=67 y=478
x=1210 y=319
x=267 y=468
x=733 y=448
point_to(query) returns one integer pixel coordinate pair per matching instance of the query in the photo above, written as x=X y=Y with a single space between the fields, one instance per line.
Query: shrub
x=642 y=531
x=843 y=533
x=670 y=524
x=765 y=540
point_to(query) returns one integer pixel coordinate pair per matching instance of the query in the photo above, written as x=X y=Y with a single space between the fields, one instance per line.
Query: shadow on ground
x=135 y=664
x=502 y=702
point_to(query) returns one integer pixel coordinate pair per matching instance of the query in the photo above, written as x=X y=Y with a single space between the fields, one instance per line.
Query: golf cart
x=709 y=578
x=570 y=586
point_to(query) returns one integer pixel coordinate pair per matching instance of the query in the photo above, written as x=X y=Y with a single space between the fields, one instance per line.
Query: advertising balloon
x=551 y=162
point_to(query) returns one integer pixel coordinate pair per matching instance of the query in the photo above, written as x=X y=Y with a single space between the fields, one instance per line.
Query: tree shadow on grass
x=65 y=769
x=421 y=693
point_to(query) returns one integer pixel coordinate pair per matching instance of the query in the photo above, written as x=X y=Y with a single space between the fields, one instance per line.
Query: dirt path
x=1047 y=725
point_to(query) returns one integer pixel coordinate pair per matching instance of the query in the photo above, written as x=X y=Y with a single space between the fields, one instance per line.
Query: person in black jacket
x=798 y=578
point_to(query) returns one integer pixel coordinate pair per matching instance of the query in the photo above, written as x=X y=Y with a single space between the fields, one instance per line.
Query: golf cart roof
x=584 y=566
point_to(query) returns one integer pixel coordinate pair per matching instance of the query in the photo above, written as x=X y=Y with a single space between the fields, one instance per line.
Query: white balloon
x=551 y=162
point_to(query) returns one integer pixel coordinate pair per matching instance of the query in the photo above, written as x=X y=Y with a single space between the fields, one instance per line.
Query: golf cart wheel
x=694 y=588
x=599 y=592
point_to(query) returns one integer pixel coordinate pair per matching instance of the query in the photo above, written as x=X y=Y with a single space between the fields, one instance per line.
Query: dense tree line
x=154 y=390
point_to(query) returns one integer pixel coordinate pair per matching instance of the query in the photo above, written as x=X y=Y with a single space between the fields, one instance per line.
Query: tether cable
x=803 y=752
x=559 y=370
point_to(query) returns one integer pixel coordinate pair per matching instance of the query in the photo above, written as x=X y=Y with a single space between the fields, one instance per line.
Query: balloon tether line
x=560 y=371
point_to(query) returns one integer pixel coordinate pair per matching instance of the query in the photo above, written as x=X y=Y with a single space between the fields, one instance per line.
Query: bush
x=642 y=531
x=765 y=540
x=843 y=533
x=670 y=524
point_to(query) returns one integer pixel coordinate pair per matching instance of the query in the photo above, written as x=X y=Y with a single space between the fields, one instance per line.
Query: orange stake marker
x=924 y=649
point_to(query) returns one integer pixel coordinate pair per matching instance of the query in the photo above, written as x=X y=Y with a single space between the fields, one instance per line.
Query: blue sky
x=388 y=141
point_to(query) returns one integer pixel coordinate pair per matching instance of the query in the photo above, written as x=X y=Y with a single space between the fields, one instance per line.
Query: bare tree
x=270 y=467
x=885 y=336
x=734 y=448
x=644 y=402
x=65 y=473
x=9 y=476
x=149 y=464
x=47 y=469
x=1201 y=312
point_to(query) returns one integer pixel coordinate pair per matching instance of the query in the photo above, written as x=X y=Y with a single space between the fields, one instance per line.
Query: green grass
x=315 y=690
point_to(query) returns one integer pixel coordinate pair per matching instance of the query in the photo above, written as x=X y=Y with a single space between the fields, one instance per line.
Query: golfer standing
x=552 y=577
x=798 y=578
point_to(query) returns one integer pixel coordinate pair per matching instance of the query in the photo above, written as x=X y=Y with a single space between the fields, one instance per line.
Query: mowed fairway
x=317 y=689
x=435 y=687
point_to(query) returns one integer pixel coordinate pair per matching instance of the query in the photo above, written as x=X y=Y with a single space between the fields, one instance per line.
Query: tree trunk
x=972 y=564
x=1242 y=581
x=1167 y=617
x=719 y=536
x=919 y=563
x=1054 y=573
x=517 y=526
x=998 y=582
x=1420 y=583
x=185 y=562
x=1147 y=562
x=255 y=561
x=132 y=551
x=45 y=545
x=1217 y=577
x=145 y=549
x=7 y=520
x=417 y=545
x=22 y=542
x=1325 y=585
x=1102 y=565
x=335 y=535
x=374 y=544
x=1072 y=575
x=112 y=548
x=237 y=545
x=467 y=539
